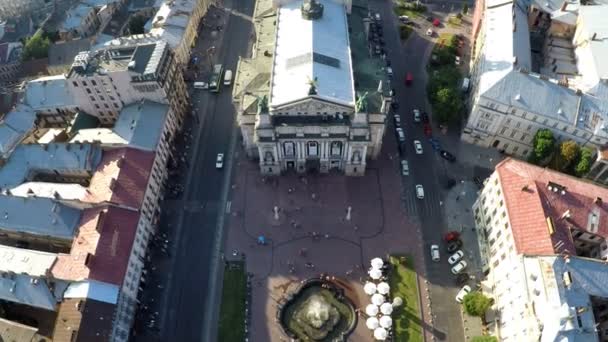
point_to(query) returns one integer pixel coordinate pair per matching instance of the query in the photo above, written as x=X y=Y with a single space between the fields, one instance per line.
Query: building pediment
x=311 y=106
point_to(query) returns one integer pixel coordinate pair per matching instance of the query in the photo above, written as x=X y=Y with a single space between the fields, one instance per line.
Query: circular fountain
x=317 y=311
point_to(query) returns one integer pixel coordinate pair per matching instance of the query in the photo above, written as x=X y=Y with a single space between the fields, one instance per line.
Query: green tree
x=569 y=153
x=465 y=8
x=484 y=339
x=37 y=46
x=543 y=143
x=476 y=303
x=584 y=163
x=447 y=105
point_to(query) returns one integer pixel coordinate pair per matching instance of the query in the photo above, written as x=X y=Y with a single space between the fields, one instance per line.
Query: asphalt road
x=188 y=291
x=427 y=169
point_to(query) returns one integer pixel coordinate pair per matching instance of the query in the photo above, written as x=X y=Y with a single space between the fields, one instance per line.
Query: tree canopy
x=584 y=162
x=37 y=46
x=476 y=303
x=543 y=143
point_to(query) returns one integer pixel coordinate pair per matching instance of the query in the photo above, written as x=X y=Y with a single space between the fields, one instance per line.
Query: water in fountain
x=317 y=312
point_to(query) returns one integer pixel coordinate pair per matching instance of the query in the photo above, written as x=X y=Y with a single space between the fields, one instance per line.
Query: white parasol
x=372 y=323
x=371 y=310
x=380 y=334
x=378 y=299
x=369 y=288
x=386 y=308
x=375 y=273
x=386 y=322
x=397 y=301
x=383 y=288
x=377 y=263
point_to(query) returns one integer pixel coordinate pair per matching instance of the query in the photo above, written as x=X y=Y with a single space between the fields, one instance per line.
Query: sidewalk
x=459 y=217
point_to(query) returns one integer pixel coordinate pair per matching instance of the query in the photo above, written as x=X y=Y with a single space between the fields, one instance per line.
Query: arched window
x=313 y=148
x=289 y=149
x=336 y=148
x=268 y=157
x=356 y=157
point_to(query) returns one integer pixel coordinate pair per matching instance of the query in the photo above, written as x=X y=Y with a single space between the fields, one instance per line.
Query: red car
x=408 y=79
x=451 y=236
x=427 y=130
x=436 y=22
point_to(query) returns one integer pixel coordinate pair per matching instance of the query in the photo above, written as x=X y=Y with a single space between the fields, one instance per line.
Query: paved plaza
x=313 y=234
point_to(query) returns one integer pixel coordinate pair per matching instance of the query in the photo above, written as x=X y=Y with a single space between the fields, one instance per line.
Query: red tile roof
x=107 y=235
x=121 y=177
x=529 y=202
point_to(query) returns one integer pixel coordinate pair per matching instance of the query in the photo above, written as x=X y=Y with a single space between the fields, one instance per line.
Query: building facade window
x=336 y=148
x=289 y=149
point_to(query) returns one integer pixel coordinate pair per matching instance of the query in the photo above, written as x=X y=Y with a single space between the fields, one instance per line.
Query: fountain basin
x=317 y=311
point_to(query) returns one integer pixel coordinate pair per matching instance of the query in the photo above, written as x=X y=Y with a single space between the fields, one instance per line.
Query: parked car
x=404 y=19
x=425 y=117
x=459 y=267
x=453 y=246
x=428 y=131
x=219 y=161
x=435 y=253
x=447 y=156
x=454 y=258
x=417 y=117
x=419 y=191
x=409 y=78
x=457 y=60
x=429 y=32
x=418 y=146
x=389 y=71
x=451 y=236
x=405 y=168
x=400 y=134
x=463 y=292
x=397 y=120
x=436 y=22
x=394 y=104
x=429 y=19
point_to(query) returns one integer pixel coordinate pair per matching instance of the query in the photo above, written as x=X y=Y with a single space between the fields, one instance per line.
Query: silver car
x=459 y=267
x=405 y=168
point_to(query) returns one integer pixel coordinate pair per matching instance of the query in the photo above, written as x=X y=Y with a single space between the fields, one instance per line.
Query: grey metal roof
x=507 y=41
x=141 y=56
x=595 y=23
x=14 y=126
x=56 y=157
x=48 y=92
x=25 y=261
x=38 y=216
x=62 y=53
x=20 y=288
x=139 y=125
x=529 y=92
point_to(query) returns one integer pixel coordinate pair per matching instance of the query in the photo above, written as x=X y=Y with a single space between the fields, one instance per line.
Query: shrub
x=476 y=303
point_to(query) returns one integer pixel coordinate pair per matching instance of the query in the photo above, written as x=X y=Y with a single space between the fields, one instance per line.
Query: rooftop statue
x=361 y=103
x=313 y=86
x=312 y=10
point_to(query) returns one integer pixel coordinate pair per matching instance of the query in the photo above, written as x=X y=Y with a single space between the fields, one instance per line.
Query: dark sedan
x=447 y=156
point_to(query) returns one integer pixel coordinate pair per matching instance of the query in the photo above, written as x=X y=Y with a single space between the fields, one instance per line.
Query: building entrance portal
x=313 y=165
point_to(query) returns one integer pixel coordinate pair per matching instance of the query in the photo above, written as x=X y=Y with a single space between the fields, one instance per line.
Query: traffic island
x=233 y=312
x=402 y=280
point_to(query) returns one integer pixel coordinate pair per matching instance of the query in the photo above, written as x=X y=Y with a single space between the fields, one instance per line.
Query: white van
x=201 y=85
x=227 y=77
x=465 y=84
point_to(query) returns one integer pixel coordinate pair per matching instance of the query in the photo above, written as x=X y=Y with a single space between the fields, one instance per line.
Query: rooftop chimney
x=594 y=36
x=598 y=201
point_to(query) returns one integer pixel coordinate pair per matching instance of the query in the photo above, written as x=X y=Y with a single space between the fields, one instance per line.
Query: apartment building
x=536 y=65
x=318 y=106
x=524 y=210
x=10 y=62
x=177 y=22
x=80 y=22
x=90 y=188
